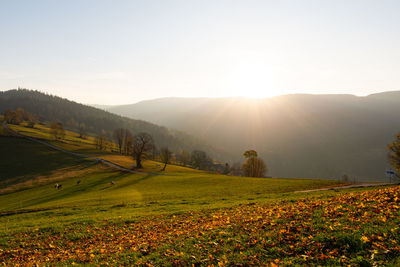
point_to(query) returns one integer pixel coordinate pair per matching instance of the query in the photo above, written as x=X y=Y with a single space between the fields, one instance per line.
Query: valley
x=189 y=216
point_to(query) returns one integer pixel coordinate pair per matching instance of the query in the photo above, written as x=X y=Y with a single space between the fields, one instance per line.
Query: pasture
x=180 y=216
x=28 y=189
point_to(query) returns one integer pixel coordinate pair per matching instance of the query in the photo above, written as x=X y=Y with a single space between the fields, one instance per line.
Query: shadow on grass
x=130 y=182
x=76 y=190
x=27 y=160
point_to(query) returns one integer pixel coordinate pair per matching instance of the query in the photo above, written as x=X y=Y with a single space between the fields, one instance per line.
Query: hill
x=96 y=121
x=298 y=135
x=182 y=217
x=21 y=163
x=27 y=183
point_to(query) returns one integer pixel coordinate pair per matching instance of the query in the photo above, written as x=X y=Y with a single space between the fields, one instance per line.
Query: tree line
x=92 y=121
x=18 y=116
x=64 y=114
x=141 y=146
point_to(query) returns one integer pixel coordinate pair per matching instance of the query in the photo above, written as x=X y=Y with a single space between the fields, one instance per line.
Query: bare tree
x=200 y=160
x=183 y=157
x=165 y=155
x=119 y=137
x=57 y=130
x=254 y=166
x=82 y=131
x=101 y=142
x=127 y=142
x=124 y=140
x=142 y=146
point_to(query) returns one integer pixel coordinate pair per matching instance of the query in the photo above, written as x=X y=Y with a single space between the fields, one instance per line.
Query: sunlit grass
x=176 y=189
x=71 y=141
x=148 y=194
x=255 y=216
x=316 y=228
x=148 y=165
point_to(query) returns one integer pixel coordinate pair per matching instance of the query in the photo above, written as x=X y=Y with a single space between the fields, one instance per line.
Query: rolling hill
x=30 y=170
x=298 y=135
x=71 y=115
x=105 y=216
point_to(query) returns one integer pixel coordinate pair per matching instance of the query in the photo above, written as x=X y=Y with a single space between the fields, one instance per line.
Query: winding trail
x=98 y=160
x=344 y=187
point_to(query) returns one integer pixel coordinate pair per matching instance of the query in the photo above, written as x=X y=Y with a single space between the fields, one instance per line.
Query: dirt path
x=344 y=187
x=98 y=160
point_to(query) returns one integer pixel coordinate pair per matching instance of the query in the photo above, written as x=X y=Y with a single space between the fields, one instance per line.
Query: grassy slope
x=179 y=189
x=22 y=158
x=188 y=217
x=71 y=141
x=139 y=195
x=359 y=227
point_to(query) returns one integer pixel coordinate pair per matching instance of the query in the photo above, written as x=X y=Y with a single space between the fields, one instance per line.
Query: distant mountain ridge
x=298 y=135
x=97 y=121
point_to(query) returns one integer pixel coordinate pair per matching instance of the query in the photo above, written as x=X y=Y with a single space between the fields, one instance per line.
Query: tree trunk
x=165 y=165
x=138 y=163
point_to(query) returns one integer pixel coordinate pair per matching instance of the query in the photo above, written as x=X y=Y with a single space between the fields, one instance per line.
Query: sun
x=253 y=81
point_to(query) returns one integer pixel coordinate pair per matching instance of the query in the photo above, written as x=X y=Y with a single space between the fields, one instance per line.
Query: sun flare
x=254 y=80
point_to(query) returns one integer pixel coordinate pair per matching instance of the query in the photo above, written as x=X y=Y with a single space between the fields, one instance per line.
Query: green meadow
x=32 y=169
x=180 y=216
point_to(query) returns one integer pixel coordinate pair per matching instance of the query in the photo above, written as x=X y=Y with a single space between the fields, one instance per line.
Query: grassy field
x=22 y=160
x=352 y=228
x=70 y=142
x=134 y=195
x=187 y=216
x=37 y=168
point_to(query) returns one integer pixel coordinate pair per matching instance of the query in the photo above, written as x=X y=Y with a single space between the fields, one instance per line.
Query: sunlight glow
x=254 y=80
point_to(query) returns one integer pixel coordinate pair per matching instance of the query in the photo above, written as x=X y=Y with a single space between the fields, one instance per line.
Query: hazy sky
x=114 y=52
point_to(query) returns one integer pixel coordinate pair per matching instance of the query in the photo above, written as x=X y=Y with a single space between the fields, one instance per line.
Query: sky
x=121 y=52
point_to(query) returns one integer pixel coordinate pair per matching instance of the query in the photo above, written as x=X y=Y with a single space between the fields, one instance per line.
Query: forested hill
x=298 y=135
x=71 y=115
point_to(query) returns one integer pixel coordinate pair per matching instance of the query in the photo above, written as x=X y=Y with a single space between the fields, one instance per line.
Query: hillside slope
x=32 y=169
x=22 y=161
x=71 y=114
x=298 y=135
